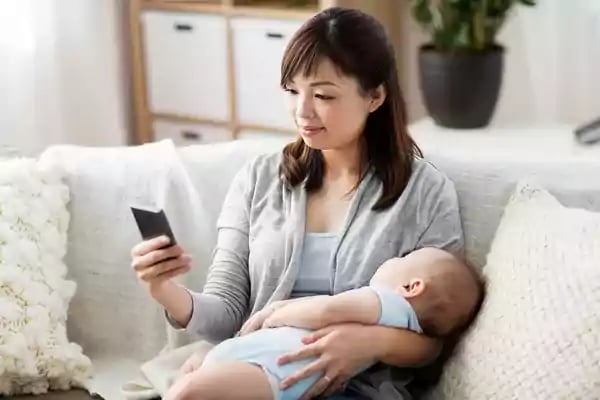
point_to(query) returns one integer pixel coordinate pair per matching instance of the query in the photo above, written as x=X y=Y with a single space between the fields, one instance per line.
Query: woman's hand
x=154 y=264
x=341 y=351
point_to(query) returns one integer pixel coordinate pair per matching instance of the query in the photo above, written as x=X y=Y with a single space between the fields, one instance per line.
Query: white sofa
x=111 y=315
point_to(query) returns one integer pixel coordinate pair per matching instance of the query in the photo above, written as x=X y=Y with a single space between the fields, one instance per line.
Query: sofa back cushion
x=112 y=314
x=485 y=184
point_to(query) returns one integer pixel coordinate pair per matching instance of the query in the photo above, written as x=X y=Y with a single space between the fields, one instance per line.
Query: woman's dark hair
x=358 y=46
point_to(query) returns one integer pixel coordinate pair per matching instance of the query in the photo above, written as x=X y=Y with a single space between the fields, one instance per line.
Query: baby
x=428 y=291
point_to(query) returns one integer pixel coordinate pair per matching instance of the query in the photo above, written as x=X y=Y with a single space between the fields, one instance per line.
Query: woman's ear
x=414 y=288
x=377 y=98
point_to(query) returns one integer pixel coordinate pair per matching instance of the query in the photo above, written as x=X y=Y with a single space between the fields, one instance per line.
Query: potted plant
x=460 y=68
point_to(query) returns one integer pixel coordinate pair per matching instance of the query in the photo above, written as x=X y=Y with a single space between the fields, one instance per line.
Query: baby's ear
x=414 y=288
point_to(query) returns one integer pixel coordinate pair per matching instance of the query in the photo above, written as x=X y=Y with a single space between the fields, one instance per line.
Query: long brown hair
x=358 y=46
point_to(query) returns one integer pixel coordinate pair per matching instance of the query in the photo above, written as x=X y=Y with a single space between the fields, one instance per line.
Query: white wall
x=64 y=81
x=410 y=40
x=17 y=120
x=91 y=71
x=551 y=64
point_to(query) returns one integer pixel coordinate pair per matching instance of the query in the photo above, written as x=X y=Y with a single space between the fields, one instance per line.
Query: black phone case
x=153 y=224
x=589 y=133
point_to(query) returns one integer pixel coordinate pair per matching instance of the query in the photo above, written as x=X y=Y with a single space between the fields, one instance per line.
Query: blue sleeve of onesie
x=396 y=311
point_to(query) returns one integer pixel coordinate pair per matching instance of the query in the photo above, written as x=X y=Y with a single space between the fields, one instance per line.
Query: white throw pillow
x=35 y=354
x=538 y=333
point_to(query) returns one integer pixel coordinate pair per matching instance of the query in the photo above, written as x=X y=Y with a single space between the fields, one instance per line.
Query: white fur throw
x=538 y=333
x=35 y=354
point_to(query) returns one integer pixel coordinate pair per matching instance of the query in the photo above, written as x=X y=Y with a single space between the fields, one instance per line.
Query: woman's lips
x=311 y=130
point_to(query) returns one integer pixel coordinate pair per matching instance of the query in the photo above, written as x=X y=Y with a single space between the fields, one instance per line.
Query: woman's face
x=329 y=108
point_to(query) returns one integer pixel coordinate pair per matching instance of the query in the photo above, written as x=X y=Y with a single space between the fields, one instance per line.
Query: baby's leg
x=223 y=380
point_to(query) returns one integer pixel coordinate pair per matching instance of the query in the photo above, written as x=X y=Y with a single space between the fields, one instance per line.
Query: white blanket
x=161 y=372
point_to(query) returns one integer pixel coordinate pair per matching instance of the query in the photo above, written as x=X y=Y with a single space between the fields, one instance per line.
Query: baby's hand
x=256 y=321
x=275 y=320
x=302 y=314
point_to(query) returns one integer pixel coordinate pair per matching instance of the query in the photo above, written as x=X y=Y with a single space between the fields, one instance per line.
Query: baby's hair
x=455 y=292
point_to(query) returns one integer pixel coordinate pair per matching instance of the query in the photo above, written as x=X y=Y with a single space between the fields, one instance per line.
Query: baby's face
x=397 y=273
x=387 y=274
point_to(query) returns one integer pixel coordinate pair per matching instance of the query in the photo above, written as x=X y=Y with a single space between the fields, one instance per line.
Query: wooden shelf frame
x=143 y=117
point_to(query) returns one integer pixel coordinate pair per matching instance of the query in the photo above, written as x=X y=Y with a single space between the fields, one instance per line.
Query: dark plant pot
x=461 y=88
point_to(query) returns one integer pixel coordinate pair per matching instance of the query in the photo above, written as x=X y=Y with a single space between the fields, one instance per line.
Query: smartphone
x=589 y=133
x=153 y=223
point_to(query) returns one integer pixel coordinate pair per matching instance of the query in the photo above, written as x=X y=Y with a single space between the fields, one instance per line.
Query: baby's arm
x=281 y=303
x=359 y=306
x=259 y=319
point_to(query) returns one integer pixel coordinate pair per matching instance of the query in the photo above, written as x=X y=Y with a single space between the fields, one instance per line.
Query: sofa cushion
x=484 y=183
x=35 y=353
x=537 y=334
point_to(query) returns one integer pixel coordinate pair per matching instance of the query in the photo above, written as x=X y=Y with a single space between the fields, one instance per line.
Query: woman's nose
x=304 y=107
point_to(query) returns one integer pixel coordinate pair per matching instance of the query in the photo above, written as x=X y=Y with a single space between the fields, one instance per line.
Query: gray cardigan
x=261 y=229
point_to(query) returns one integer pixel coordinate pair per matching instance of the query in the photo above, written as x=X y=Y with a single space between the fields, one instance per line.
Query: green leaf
x=422 y=13
x=463 y=37
x=470 y=24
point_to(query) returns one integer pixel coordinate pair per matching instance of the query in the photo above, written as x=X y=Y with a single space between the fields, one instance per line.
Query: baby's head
x=443 y=291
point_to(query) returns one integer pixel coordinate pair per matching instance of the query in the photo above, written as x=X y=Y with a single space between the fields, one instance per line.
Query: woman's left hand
x=341 y=350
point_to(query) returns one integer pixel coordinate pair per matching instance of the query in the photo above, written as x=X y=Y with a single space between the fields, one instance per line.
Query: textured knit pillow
x=35 y=354
x=538 y=333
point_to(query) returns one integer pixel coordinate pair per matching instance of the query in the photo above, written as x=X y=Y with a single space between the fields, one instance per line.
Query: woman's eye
x=324 y=97
x=290 y=91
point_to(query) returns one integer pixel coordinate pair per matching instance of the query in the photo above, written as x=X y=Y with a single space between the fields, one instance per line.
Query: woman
x=319 y=218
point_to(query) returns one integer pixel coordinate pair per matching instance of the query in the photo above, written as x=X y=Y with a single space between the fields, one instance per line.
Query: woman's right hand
x=155 y=264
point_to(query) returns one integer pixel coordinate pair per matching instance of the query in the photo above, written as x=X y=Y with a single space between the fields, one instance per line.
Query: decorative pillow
x=538 y=332
x=35 y=354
